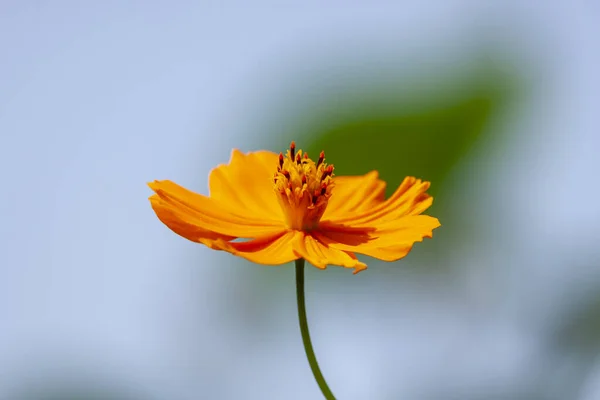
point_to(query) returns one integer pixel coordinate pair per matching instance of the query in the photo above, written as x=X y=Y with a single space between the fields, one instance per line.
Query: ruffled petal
x=409 y=199
x=387 y=241
x=321 y=255
x=388 y=229
x=354 y=194
x=246 y=184
x=182 y=210
x=268 y=250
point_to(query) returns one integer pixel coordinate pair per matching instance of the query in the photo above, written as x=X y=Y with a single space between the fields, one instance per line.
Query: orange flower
x=290 y=207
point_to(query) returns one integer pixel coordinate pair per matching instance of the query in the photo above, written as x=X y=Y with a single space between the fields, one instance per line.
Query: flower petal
x=178 y=207
x=183 y=223
x=387 y=230
x=246 y=184
x=409 y=199
x=388 y=241
x=354 y=194
x=268 y=250
x=320 y=255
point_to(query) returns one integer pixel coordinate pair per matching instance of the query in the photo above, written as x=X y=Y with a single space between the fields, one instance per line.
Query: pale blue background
x=97 y=98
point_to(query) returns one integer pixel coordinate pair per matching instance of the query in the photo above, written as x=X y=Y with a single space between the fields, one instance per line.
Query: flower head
x=289 y=207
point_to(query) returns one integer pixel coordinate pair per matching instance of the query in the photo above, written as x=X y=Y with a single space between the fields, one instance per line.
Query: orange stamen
x=306 y=189
x=321 y=158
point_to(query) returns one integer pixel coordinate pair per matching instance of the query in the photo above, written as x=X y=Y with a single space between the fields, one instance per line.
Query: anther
x=286 y=174
x=293 y=149
x=298 y=158
x=304 y=179
x=323 y=189
x=280 y=160
x=306 y=156
x=321 y=158
x=315 y=197
x=328 y=171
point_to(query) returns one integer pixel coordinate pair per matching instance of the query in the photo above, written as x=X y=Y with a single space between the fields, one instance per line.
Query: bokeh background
x=495 y=102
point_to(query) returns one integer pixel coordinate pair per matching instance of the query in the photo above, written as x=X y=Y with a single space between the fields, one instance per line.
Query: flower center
x=303 y=188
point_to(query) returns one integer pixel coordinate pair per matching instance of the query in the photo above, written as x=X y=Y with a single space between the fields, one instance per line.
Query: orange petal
x=321 y=255
x=409 y=199
x=355 y=194
x=246 y=184
x=388 y=241
x=183 y=223
x=268 y=250
x=177 y=207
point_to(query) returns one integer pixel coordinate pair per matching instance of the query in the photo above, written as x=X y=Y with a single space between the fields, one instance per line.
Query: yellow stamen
x=303 y=188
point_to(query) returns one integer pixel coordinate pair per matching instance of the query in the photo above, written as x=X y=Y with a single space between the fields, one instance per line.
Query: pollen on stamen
x=321 y=158
x=303 y=187
x=328 y=172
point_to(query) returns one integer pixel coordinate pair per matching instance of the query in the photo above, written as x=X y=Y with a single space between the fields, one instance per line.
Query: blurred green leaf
x=580 y=329
x=399 y=138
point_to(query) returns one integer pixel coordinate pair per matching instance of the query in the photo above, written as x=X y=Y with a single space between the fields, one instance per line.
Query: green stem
x=310 y=353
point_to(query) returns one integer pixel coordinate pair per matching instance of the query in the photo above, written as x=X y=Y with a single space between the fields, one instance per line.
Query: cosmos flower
x=273 y=208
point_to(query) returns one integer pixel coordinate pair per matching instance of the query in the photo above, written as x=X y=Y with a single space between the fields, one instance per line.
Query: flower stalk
x=310 y=353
